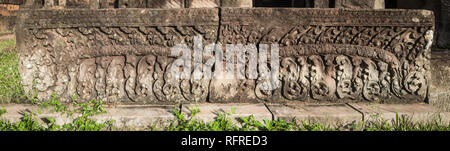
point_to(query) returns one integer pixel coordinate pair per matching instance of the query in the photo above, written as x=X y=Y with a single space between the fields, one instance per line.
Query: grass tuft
x=11 y=89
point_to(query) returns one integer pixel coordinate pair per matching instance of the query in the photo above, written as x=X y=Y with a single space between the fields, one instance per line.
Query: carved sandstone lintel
x=124 y=55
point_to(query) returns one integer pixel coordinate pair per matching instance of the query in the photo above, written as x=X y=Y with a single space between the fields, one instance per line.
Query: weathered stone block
x=444 y=33
x=104 y=4
x=440 y=85
x=8 y=9
x=413 y=112
x=202 y=3
x=7 y=23
x=353 y=4
x=95 y=69
x=165 y=4
x=126 y=117
x=322 y=4
x=209 y=112
x=133 y=3
x=94 y=4
x=62 y=3
x=124 y=55
x=12 y=2
x=49 y=3
x=8 y=14
x=344 y=58
x=237 y=3
x=326 y=114
x=368 y=4
x=138 y=117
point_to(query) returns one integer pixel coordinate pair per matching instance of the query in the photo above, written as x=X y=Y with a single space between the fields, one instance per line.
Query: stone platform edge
x=133 y=117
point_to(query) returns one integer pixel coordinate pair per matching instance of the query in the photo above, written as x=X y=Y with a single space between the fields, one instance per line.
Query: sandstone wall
x=440 y=86
x=7 y=16
x=12 y=2
x=444 y=35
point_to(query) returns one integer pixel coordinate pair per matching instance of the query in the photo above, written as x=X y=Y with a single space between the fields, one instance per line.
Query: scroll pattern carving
x=345 y=63
x=130 y=64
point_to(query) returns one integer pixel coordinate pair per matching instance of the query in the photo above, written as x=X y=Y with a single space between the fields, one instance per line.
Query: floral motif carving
x=324 y=59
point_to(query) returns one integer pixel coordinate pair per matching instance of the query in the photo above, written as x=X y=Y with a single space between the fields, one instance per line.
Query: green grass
x=7 y=43
x=10 y=88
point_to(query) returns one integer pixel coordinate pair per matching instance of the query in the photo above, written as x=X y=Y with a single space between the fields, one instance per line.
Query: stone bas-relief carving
x=326 y=55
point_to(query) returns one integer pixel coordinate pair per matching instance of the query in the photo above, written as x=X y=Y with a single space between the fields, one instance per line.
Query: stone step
x=416 y=112
x=134 y=117
x=127 y=117
x=324 y=114
x=208 y=112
